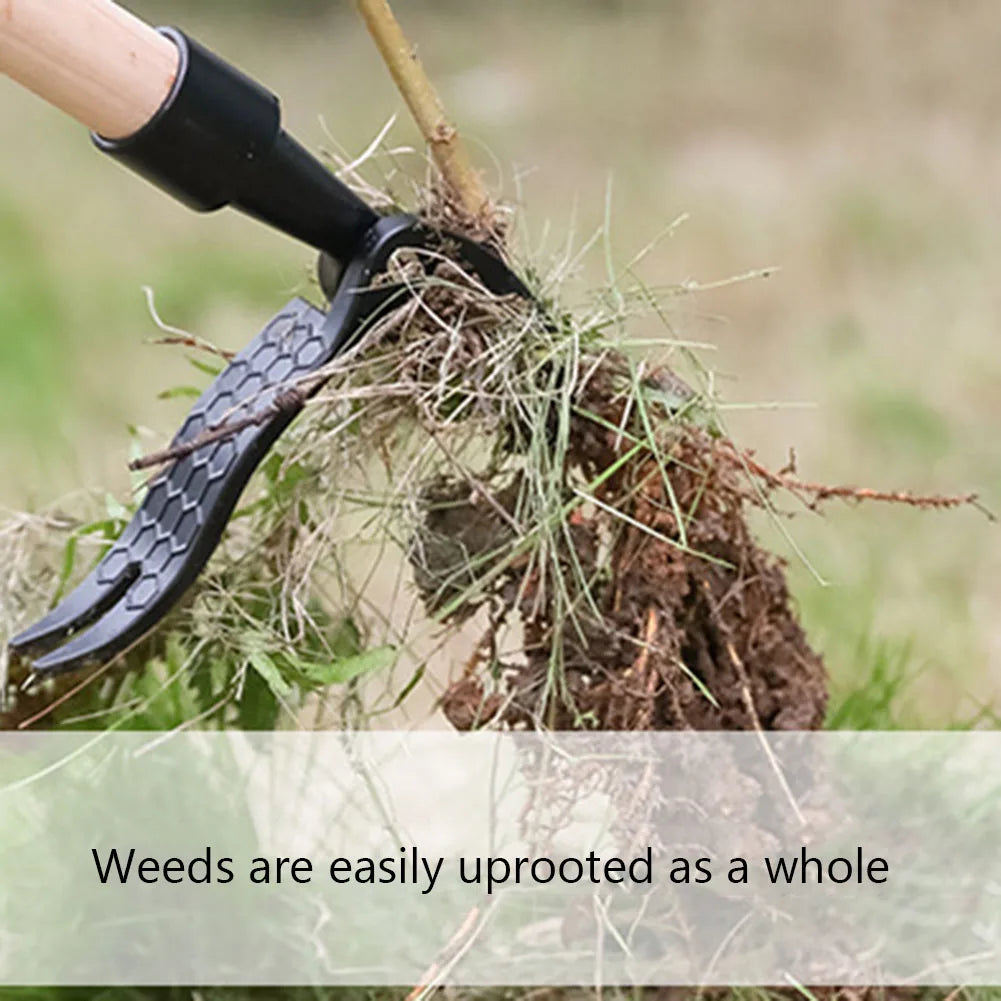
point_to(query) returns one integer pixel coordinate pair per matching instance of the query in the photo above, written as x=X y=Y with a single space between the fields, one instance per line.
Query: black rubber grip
x=217 y=140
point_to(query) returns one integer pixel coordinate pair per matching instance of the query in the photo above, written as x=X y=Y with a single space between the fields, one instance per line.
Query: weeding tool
x=165 y=106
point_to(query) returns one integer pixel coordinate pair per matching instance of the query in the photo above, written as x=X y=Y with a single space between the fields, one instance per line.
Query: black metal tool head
x=217 y=140
x=182 y=517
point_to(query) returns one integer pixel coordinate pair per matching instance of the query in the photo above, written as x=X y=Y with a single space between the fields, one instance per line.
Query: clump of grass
x=512 y=472
x=457 y=388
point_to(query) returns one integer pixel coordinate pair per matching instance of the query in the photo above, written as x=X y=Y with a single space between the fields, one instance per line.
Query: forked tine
x=98 y=593
x=179 y=522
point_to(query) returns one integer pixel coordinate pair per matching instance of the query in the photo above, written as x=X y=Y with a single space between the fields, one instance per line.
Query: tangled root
x=686 y=623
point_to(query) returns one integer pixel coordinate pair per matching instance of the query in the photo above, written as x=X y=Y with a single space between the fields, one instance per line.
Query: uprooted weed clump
x=584 y=503
x=656 y=609
x=510 y=476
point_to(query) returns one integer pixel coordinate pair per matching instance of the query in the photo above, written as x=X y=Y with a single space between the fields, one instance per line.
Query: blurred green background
x=854 y=145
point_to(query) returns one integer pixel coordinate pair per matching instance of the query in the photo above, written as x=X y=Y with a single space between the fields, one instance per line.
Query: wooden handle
x=90 y=58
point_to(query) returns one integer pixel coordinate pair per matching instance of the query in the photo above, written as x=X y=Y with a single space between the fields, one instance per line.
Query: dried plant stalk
x=447 y=149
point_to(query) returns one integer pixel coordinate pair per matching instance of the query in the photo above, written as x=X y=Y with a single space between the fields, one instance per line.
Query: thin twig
x=447 y=149
x=190 y=341
x=175 y=335
x=458 y=944
x=745 y=691
x=819 y=492
x=67 y=695
x=285 y=401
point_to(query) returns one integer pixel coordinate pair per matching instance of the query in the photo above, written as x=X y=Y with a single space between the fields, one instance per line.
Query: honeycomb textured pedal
x=179 y=522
